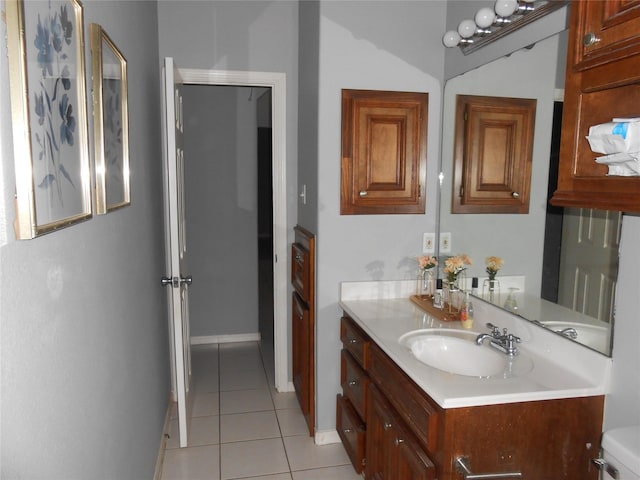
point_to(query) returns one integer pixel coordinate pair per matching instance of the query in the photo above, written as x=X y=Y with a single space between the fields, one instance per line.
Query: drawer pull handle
x=590 y=39
x=462 y=466
x=347 y=431
x=387 y=425
x=363 y=193
x=515 y=195
x=353 y=383
x=353 y=341
x=398 y=441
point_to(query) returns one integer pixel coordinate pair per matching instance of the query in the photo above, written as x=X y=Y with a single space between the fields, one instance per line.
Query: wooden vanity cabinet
x=602 y=83
x=408 y=436
x=352 y=403
x=303 y=322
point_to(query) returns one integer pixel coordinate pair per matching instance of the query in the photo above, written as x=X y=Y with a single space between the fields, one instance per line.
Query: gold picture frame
x=45 y=40
x=110 y=122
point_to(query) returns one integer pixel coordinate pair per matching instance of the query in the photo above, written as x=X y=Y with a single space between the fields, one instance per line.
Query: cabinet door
x=301 y=352
x=384 y=152
x=596 y=91
x=392 y=451
x=493 y=154
x=608 y=30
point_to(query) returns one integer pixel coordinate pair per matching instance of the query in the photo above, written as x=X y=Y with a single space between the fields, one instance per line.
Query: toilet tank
x=621 y=450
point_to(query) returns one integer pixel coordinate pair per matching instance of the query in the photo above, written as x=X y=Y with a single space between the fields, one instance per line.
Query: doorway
x=233 y=193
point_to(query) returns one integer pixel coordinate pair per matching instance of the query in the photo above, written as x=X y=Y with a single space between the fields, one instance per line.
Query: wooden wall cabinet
x=408 y=436
x=493 y=154
x=602 y=83
x=384 y=152
x=303 y=322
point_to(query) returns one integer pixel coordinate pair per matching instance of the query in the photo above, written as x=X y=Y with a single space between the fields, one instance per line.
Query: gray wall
x=85 y=370
x=220 y=142
x=380 y=46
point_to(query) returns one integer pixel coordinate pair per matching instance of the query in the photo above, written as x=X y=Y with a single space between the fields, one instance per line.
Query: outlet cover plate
x=445 y=242
x=428 y=242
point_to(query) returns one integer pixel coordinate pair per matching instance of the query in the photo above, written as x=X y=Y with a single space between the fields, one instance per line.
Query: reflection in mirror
x=560 y=265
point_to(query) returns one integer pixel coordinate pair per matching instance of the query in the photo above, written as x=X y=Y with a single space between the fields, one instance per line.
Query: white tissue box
x=615 y=137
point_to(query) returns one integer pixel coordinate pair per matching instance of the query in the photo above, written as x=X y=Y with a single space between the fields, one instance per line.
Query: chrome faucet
x=570 y=332
x=505 y=341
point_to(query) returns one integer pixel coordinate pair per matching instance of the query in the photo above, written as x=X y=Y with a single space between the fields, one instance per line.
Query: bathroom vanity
x=400 y=418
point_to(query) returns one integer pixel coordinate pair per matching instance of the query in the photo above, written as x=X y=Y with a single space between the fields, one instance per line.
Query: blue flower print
x=68 y=125
x=45 y=52
x=67 y=25
x=56 y=34
x=39 y=108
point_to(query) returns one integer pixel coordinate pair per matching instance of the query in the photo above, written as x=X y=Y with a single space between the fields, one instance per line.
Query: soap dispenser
x=466 y=313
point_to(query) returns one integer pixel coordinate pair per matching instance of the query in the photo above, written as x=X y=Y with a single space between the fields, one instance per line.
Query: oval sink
x=592 y=336
x=455 y=351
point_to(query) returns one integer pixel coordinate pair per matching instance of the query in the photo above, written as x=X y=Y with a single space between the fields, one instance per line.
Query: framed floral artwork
x=110 y=122
x=49 y=114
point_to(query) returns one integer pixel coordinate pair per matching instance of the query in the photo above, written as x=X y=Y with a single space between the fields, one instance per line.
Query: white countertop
x=561 y=368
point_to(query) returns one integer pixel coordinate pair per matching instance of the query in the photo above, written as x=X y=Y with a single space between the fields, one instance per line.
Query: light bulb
x=485 y=17
x=506 y=8
x=451 y=39
x=467 y=28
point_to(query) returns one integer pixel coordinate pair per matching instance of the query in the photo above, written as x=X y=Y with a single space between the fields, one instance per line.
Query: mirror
x=545 y=278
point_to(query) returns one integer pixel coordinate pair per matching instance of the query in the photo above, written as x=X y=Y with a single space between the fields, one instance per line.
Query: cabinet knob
x=363 y=193
x=398 y=441
x=353 y=341
x=387 y=425
x=298 y=257
x=590 y=39
x=515 y=195
x=353 y=383
x=347 y=431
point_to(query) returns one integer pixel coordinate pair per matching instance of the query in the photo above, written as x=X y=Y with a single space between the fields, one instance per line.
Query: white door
x=176 y=280
x=589 y=261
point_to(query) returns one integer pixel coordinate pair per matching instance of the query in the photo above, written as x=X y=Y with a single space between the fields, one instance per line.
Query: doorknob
x=176 y=282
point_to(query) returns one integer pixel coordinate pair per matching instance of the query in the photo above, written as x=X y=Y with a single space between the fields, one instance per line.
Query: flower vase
x=425 y=285
x=491 y=290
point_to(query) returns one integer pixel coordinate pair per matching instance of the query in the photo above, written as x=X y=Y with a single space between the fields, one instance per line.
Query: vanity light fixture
x=489 y=25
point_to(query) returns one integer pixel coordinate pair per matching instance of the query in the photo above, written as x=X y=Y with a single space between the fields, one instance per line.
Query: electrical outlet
x=445 y=242
x=428 y=242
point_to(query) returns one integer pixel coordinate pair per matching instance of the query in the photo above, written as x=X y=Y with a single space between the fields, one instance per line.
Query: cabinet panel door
x=384 y=152
x=608 y=30
x=301 y=352
x=493 y=154
x=392 y=450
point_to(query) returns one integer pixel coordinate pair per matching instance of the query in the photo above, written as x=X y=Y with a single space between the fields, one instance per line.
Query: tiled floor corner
x=240 y=428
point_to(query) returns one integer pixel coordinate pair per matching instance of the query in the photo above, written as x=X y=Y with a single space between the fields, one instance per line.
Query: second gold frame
x=110 y=122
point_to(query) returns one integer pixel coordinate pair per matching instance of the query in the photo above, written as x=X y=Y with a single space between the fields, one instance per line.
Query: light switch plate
x=445 y=242
x=428 y=242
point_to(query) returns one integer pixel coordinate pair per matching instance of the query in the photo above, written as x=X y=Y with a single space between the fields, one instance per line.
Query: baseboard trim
x=214 y=339
x=163 y=442
x=327 y=437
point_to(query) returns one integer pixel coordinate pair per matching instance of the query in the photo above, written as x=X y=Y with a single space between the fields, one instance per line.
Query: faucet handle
x=495 y=330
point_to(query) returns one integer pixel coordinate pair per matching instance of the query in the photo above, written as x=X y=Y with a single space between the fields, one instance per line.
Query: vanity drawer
x=354 y=383
x=355 y=341
x=352 y=431
x=300 y=270
x=413 y=405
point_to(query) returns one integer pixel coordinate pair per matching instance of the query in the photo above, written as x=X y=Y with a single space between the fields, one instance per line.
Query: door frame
x=277 y=83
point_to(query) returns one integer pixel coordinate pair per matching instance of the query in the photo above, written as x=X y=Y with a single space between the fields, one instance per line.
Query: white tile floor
x=240 y=427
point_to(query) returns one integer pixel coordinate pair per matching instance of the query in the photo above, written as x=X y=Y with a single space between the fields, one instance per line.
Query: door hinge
x=462 y=190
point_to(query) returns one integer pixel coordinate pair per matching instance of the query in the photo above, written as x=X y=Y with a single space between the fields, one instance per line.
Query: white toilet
x=621 y=454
